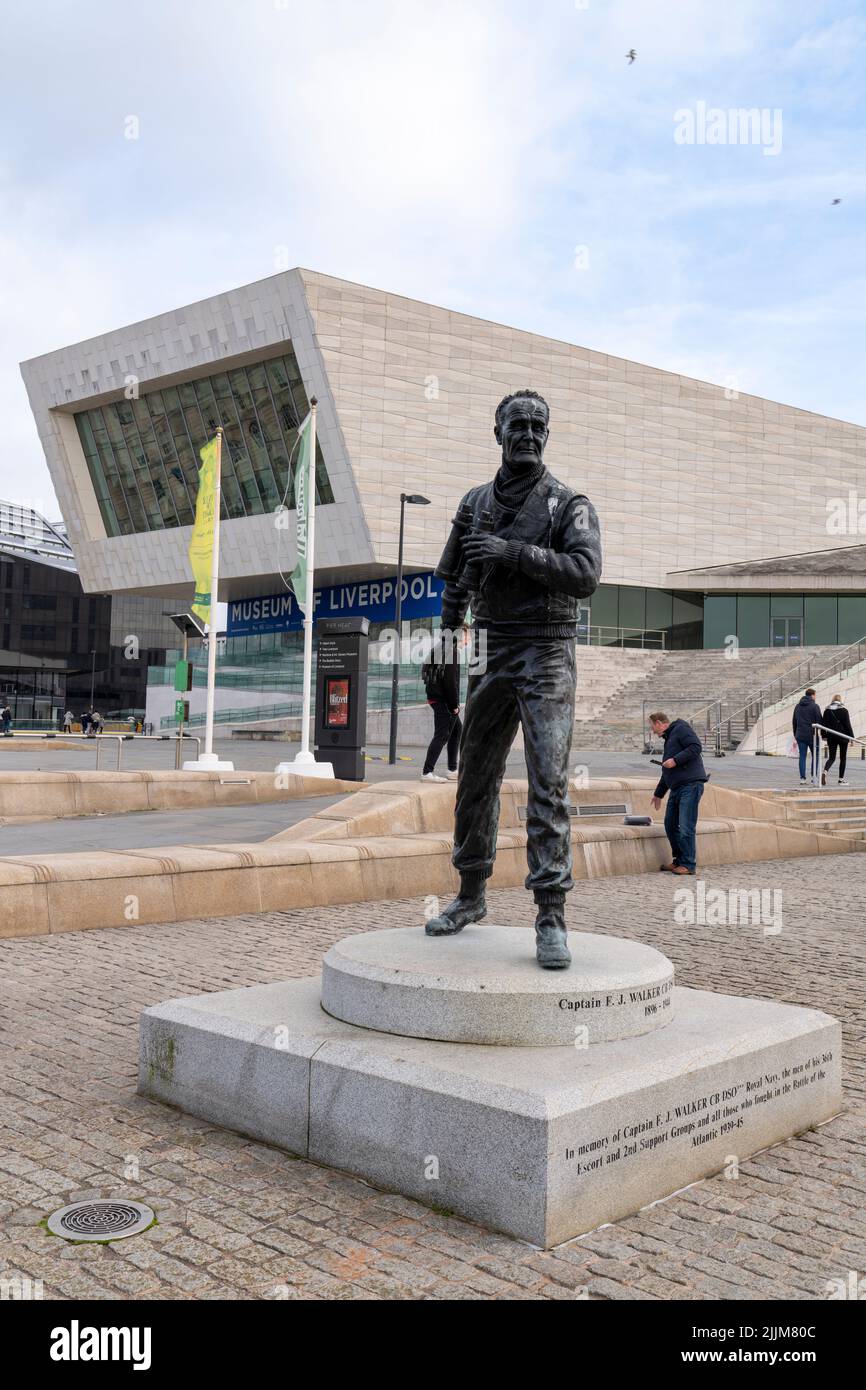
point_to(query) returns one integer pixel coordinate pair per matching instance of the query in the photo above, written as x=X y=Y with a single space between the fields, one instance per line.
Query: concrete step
x=807 y=805
x=683 y=683
x=809 y=794
x=847 y=826
x=840 y=818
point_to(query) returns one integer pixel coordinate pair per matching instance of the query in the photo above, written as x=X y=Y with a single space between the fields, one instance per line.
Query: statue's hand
x=482 y=546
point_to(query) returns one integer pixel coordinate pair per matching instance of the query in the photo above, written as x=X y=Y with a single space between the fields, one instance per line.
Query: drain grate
x=102 y=1220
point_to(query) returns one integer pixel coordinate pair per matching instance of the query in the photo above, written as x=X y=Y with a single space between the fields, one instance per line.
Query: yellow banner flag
x=201 y=543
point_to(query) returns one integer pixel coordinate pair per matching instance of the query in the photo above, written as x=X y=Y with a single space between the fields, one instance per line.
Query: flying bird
x=835 y=201
x=631 y=55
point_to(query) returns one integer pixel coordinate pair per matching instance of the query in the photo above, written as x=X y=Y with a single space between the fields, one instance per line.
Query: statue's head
x=522 y=428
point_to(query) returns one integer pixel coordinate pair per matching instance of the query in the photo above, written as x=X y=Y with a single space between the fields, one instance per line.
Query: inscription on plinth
x=686 y=1133
x=653 y=1000
x=483 y=985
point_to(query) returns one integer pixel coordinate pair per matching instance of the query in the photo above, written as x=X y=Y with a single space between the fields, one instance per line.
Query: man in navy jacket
x=683 y=777
x=807 y=713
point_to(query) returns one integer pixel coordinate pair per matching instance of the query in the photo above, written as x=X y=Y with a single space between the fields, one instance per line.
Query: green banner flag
x=302 y=500
x=201 y=542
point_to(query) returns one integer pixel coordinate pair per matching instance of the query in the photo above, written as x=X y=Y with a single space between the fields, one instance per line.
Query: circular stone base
x=483 y=985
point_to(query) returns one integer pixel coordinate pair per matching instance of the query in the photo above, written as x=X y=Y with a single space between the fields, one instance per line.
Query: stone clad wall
x=416 y=386
x=407 y=393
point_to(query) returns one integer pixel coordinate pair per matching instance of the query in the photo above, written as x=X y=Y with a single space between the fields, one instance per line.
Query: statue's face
x=523 y=433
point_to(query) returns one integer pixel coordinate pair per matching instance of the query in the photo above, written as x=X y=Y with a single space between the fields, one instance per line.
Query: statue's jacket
x=552 y=560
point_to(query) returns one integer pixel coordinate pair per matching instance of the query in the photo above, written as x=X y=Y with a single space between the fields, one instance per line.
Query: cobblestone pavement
x=238 y=1219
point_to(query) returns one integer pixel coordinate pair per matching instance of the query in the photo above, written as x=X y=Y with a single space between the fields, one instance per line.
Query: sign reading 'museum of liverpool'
x=373 y=599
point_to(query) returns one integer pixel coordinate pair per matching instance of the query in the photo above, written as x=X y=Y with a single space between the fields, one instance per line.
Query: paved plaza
x=250 y=755
x=238 y=1219
x=254 y=823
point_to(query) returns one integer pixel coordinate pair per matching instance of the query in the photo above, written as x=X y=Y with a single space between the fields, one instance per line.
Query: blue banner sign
x=368 y=598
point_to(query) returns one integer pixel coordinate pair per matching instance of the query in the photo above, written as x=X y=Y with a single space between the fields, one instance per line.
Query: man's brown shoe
x=681 y=869
x=667 y=868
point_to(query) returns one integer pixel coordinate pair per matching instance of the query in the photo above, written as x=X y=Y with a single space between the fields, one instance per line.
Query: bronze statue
x=523 y=550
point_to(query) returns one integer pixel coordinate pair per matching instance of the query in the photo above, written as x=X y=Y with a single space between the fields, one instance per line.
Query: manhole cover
x=108 y=1220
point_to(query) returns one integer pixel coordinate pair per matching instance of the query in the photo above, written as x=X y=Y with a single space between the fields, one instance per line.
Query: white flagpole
x=208 y=761
x=311 y=565
x=214 y=589
x=304 y=763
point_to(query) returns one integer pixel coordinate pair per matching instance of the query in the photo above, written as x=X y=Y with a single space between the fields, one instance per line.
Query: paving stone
x=54 y=1121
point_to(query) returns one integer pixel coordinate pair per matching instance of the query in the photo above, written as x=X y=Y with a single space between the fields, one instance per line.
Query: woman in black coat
x=836 y=717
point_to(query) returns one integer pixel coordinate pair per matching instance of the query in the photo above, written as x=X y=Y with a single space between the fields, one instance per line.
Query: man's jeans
x=805 y=746
x=528 y=682
x=681 y=820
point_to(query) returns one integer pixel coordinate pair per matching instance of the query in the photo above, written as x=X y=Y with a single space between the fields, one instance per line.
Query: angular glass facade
x=271 y=666
x=784 y=620
x=630 y=616
x=143 y=455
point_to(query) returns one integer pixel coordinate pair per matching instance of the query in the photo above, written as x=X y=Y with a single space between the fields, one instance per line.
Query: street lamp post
x=415 y=500
x=92 y=677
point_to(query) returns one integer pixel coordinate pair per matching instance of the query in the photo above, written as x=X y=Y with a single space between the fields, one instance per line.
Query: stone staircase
x=604 y=673
x=683 y=684
x=828 y=812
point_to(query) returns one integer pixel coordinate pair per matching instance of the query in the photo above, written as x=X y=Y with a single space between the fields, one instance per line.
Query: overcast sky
x=499 y=158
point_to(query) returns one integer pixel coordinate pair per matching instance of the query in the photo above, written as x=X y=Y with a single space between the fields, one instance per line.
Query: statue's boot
x=469 y=906
x=551 y=950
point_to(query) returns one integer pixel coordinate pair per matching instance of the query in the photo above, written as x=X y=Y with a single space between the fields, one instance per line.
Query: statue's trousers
x=528 y=683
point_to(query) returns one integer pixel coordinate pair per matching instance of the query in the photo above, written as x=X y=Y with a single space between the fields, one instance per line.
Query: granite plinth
x=484 y=985
x=543 y=1143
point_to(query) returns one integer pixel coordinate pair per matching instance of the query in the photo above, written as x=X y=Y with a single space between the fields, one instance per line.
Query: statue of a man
x=523 y=550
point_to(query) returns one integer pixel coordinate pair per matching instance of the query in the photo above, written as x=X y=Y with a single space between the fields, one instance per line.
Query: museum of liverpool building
x=723 y=515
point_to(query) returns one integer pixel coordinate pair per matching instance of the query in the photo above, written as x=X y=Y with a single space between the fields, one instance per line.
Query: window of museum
x=143 y=455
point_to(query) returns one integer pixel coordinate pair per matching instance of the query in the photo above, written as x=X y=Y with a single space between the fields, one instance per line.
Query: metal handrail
x=120 y=740
x=755 y=707
x=817 y=759
x=840 y=662
x=652 y=637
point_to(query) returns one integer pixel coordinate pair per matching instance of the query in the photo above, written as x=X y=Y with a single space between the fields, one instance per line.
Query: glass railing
x=409 y=692
x=643 y=637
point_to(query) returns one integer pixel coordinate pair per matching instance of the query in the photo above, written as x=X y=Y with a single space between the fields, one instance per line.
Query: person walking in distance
x=683 y=777
x=442 y=683
x=836 y=717
x=807 y=713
